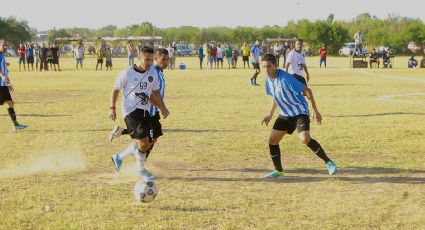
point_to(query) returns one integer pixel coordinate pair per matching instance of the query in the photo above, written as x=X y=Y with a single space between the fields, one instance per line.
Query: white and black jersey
x=137 y=87
x=297 y=62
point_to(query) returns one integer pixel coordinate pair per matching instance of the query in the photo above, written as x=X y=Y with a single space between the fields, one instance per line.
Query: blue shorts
x=322 y=59
x=22 y=60
x=79 y=61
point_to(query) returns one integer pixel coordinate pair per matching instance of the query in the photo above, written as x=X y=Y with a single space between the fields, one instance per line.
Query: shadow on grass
x=353 y=175
x=319 y=85
x=197 y=130
x=66 y=130
x=38 y=115
x=376 y=114
x=194 y=209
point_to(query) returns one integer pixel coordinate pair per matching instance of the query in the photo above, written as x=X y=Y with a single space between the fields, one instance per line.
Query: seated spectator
x=386 y=60
x=373 y=58
x=422 y=65
x=412 y=62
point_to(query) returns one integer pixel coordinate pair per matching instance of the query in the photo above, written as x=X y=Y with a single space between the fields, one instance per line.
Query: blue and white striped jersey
x=255 y=50
x=161 y=80
x=287 y=92
x=3 y=69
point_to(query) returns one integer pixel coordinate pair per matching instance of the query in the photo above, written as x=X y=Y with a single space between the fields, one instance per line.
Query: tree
x=15 y=31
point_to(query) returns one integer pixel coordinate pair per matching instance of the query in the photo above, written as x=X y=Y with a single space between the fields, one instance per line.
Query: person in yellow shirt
x=100 y=53
x=245 y=54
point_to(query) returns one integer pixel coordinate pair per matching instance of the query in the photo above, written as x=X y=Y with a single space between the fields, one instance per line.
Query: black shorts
x=100 y=61
x=156 y=126
x=245 y=58
x=288 y=124
x=300 y=79
x=138 y=124
x=256 y=65
x=108 y=64
x=4 y=94
x=30 y=59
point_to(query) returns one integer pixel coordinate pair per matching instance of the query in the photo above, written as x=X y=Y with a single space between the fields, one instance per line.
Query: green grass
x=57 y=174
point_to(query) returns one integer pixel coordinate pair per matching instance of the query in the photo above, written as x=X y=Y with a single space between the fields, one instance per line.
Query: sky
x=46 y=14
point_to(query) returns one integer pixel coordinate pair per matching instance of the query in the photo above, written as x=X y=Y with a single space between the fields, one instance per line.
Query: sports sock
x=254 y=77
x=318 y=150
x=12 y=115
x=131 y=149
x=275 y=155
x=140 y=160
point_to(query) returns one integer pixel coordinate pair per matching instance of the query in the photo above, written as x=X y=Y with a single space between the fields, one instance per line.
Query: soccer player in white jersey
x=6 y=87
x=287 y=93
x=161 y=59
x=296 y=63
x=255 y=60
x=140 y=85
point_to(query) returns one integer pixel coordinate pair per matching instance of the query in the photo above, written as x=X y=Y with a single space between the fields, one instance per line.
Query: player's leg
x=11 y=111
x=303 y=127
x=280 y=128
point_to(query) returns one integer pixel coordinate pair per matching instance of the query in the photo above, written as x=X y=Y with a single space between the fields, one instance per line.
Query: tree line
x=393 y=31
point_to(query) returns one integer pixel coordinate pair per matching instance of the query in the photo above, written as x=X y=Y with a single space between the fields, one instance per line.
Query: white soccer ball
x=145 y=191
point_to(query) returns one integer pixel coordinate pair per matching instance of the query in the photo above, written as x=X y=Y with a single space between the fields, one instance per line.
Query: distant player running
x=294 y=114
x=255 y=60
x=6 y=87
x=162 y=60
x=296 y=63
x=139 y=84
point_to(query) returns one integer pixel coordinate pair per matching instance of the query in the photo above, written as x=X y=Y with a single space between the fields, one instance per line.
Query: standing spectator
x=235 y=55
x=43 y=58
x=172 y=57
x=213 y=53
x=323 y=52
x=220 y=56
x=79 y=56
x=50 y=56
x=36 y=56
x=130 y=52
x=22 y=56
x=286 y=50
x=108 y=57
x=229 y=56
x=55 y=56
x=6 y=87
x=296 y=60
x=99 y=57
x=200 y=55
x=277 y=51
x=255 y=60
x=207 y=53
x=358 y=40
x=245 y=54
x=30 y=57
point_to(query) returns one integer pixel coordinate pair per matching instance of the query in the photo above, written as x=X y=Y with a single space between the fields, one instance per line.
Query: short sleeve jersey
x=297 y=62
x=137 y=88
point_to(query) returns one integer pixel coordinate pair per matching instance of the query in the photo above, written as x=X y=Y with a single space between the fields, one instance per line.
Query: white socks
x=140 y=160
x=131 y=149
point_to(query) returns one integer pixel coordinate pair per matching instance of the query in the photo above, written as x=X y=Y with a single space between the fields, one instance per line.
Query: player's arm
x=306 y=72
x=6 y=80
x=112 y=107
x=316 y=115
x=267 y=118
x=156 y=100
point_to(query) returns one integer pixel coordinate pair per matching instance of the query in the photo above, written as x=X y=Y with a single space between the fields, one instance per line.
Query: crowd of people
x=44 y=57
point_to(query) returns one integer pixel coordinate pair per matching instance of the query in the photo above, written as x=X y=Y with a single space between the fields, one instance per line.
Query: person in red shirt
x=323 y=51
x=213 y=56
x=22 y=56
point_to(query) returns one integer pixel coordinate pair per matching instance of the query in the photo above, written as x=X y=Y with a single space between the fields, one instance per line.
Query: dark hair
x=146 y=49
x=269 y=57
x=299 y=40
x=161 y=51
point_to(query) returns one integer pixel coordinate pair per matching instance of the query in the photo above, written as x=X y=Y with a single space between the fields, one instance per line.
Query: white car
x=11 y=52
x=348 y=49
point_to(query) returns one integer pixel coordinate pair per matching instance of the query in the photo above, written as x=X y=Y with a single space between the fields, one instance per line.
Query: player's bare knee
x=10 y=104
x=305 y=139
x=273 y=140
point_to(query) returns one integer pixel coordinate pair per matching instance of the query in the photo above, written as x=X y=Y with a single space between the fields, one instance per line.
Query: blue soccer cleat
x=274 y=174
x=331 y=167
x=18 y=127
x=117 y=161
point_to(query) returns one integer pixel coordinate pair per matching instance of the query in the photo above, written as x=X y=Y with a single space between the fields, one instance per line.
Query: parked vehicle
x=348 y=49
x=11 y=52
x=184 y=50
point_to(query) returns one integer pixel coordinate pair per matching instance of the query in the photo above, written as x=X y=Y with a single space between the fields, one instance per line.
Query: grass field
x=57 y=174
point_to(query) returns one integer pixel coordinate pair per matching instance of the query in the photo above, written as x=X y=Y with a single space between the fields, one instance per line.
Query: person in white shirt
x=220 y=56
x=79 y=56
x=171 y=55
x=296 y=63
x=140 y=87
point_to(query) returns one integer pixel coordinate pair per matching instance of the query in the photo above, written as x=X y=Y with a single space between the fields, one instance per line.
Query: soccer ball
x=145 y=191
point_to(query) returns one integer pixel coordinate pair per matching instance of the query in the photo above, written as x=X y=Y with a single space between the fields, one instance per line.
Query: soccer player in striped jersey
x=287 y=94
x=140 y=85
x=6 y=87
x=295 y=64
x=162 y=61
x=255 y=60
